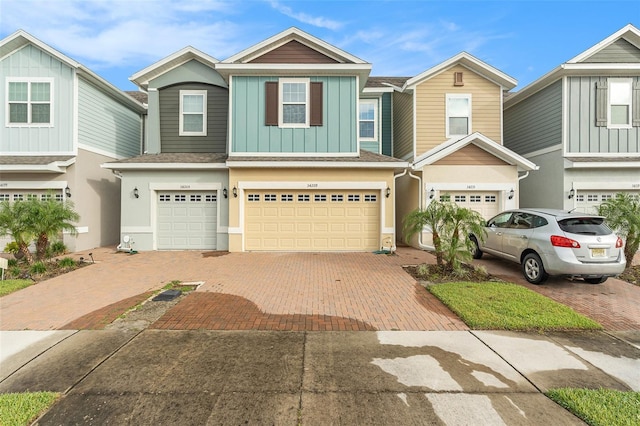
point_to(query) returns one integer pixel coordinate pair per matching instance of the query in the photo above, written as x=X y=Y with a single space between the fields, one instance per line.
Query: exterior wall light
x=224 y=193
x=67 y=192
x=388 y=192
x=432 y=193
x=136 y=193
x=511 y=193
x=235 y=192
x=572 y=193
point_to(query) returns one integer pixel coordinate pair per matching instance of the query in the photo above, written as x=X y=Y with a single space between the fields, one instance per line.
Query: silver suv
x=553 y=242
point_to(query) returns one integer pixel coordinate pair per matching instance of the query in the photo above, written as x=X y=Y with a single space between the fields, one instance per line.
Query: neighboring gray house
x=581 y=124
x=61 y=121
x=174 y=196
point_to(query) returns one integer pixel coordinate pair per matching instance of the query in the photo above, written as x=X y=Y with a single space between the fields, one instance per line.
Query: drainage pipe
x=393 y=244
x=420 y=243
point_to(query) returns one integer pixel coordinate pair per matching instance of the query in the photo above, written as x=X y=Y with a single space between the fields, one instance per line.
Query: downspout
x=393 y=247
x=419 y=179
x=524 y=176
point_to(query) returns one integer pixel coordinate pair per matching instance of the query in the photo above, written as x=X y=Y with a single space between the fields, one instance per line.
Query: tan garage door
x=293 y=220
x=485 y=203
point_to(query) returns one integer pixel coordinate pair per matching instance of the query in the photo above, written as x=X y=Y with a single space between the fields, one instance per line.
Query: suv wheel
x=476 y=253
x=533 y=270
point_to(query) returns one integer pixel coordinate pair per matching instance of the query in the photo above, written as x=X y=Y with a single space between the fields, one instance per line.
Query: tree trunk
x=41 y=246
x=437 y=245
x=24 y=249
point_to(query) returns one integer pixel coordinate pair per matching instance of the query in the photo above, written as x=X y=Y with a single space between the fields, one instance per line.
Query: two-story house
x=447 y=122
x=281 y=140
x=60 y=122
x=174 y=196
x=580 y=123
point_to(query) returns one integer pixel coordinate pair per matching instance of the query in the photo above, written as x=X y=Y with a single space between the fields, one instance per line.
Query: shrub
x=12 y=262
x=67 y=262
x=11 y=247
x=57 y=248
x=38 y=268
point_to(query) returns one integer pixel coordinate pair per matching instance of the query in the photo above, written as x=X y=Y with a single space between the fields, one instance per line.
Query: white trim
x=294 y=154
x=82 y=229
x=29 y=81
x=591 y=66
x=626 y=186
x=626 y=30
x=164 y=166
x=565 y=115
x=136 y=230
x=54 y=166
x=184 y=186
x=230 y=108
x=315 y=164
x=601 y=164
x=501 y=190
x=543 y=151
x=569 y=155
x=306 y=103
x=448 y=97
x=386 y=230
x=318 y=185
x=75 y=121
x=203 y=94
x=58 y=184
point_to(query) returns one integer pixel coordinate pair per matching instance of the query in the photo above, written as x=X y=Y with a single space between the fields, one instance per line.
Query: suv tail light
x=558 y=241
x=619 y=242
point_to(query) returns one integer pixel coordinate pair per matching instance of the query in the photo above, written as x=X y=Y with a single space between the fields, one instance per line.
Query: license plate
x=598 y=252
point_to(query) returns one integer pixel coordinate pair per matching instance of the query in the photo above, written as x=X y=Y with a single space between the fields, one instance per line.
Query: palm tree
x=50 y=218
x=434 y=217
x=622 y=213
x=15 y=222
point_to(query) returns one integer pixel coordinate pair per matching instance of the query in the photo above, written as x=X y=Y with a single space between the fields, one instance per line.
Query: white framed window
x=29 y=102
x=458 y=122
x=619 y=103
x=368 y=118
x=193 y=113
x=293 y=110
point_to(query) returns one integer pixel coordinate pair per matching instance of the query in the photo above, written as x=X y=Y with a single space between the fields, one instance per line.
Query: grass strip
x=19 y=409
x=9 y=286
x=600 y=407
x=506 y=306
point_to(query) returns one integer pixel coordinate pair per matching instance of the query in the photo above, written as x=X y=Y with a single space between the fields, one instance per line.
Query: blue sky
x=525 y=39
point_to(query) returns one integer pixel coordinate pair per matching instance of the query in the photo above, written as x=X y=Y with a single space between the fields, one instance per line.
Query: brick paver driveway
x=312 y=291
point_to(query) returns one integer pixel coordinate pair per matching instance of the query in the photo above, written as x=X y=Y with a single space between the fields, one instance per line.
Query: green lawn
x=19 y=409
x=9 y=286
x=505 y=306
x=602 y=407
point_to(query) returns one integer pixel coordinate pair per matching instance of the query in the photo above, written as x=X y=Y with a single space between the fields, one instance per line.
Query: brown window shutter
x=315 y=114
x=271 y=103
x=635 y=104
x=601 y=103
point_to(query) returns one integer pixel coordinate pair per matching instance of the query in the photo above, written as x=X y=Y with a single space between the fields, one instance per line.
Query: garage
x=328 y=220
x=187 y=220
x=587 y=201
x=485 y=203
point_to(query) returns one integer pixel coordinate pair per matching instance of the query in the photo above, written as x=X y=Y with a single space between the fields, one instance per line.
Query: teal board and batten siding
x=30 y=62
x=583 y=136
x=536 y=122
x=338 y=133
x=106 y=125
x=217 y=113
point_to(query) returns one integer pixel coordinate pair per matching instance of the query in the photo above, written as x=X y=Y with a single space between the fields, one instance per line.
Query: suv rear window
x=585 y=226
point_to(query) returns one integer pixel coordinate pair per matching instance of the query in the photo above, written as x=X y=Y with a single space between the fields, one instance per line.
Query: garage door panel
x=312 y=220
x=485 y=203
x=186 y=220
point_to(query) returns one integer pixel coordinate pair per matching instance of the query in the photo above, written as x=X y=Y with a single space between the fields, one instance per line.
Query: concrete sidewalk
x=373 y=378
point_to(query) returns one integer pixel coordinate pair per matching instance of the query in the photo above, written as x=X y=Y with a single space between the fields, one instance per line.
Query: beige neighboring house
x=61 y=121
x=448 y=124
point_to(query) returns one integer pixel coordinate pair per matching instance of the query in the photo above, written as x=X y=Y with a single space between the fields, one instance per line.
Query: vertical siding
x=431 y=107
x=338 y=134
x=387 y=129
x=105 y=124
x=217 y=113
x=33 y=62
x=402 y=125
x=582 y=134
x=536 y=122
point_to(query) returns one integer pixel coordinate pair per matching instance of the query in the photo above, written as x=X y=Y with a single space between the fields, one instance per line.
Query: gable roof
x=184 y=55
x=449 y=147
x=21 y=38
x=467 y=61
x=580 y=65
x=340 y=63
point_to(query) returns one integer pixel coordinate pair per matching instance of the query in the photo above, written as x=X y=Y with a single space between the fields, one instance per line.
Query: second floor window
x=368 y=115
x=193 y=113
x=619 y=103
x=458 y=115
x=29 y=102
x=294 y=105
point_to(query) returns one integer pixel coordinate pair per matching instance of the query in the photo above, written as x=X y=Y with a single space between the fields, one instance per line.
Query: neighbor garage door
x=187 y=220
x=290 y=220
x=485 y=203
x=588 y=201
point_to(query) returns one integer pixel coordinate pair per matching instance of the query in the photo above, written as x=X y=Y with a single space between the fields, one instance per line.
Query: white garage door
x=289 y=220
x=485 y=203
x=588 y=201
x=187 y=220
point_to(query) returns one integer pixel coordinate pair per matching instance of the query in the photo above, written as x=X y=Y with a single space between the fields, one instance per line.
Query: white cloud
x=316 y=21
